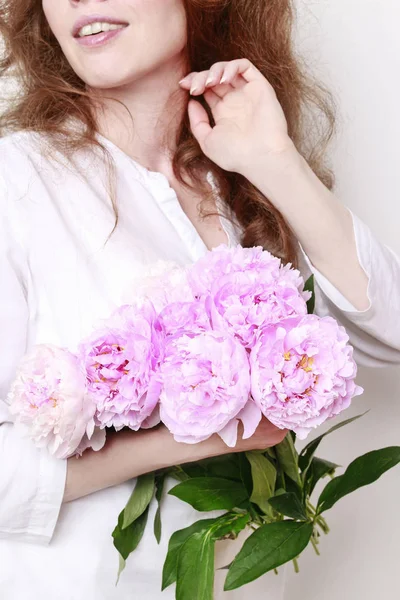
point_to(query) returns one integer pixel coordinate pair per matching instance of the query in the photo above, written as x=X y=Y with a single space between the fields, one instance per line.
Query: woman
x=104 y=174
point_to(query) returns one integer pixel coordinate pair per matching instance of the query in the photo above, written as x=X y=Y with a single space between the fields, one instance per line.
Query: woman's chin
x=106 y=82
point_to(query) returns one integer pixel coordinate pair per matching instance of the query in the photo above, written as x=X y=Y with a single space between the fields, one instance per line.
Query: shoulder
x=22 y=171
x=20 y=158
x=20 y=142
x=28 y=150
x=29 y=161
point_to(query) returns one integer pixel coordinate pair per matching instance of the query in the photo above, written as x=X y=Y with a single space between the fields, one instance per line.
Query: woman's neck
x=143 y=118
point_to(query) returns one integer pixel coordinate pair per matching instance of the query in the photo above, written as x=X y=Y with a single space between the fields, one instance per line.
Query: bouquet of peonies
x=200 y=349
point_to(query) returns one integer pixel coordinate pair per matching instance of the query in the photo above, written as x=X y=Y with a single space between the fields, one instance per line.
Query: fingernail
x=182 y=80
x=223 y=79
x=210 y=80
x=193 y=89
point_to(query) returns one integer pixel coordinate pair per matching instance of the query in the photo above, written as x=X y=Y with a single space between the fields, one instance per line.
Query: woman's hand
x=265 y=436
x=249 y=121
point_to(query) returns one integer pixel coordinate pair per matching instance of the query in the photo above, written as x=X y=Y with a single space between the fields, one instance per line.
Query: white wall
x=355 y=46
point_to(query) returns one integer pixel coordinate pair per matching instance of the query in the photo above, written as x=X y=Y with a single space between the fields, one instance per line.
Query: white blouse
x=57 y=277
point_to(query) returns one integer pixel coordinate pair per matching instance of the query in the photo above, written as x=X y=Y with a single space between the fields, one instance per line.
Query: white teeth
x=97 y=28
x=87 y=30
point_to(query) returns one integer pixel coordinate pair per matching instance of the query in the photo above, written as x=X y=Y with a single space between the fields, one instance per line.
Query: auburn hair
x=51 y=94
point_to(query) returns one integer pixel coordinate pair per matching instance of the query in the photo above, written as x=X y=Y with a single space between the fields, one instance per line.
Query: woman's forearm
x=128 y=454
x=321 y=223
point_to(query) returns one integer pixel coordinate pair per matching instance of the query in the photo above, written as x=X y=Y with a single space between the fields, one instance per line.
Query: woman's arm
x=357 y=277
x=31 y=481
x=321 y=223
x=129 y=454
x=250 y=136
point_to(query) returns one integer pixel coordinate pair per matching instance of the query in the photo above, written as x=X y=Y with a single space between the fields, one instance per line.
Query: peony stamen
x=306 y=363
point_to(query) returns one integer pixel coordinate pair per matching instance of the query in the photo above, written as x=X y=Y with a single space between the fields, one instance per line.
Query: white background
x=354 y=45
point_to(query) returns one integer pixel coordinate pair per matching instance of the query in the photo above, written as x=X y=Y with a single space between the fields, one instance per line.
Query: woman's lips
x=99 y=39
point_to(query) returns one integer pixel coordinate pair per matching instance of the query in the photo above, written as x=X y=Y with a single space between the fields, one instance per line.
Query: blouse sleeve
x=31 y=481
x=374 y=332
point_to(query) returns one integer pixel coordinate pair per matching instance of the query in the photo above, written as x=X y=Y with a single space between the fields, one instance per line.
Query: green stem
x=310 y=507
x=253 y=513
x=276 y=572
x=296 y=566
x=322 y=523
x=314 y=543
x=311 y=511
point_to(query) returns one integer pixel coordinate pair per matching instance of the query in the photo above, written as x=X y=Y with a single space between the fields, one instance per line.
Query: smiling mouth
x=97 y=28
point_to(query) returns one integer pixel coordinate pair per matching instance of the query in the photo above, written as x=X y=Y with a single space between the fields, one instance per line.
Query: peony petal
x=302 y=432
x=96 y=442
x=250 y=416
x=98 y=439
x=153 y=419
x=229 y=433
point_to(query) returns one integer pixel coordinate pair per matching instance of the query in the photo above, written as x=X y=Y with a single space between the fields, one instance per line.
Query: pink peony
x=302 y=372
x=224 y=260
x=184 y=316
x=206 y=385
x=49 y=400
x=162 y=282
x=122 y=361
x=246 y=289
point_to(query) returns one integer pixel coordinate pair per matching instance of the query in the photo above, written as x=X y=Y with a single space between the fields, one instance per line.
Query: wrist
x=272 y=171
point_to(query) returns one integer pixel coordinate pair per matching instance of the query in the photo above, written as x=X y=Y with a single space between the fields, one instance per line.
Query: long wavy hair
x=218 y=30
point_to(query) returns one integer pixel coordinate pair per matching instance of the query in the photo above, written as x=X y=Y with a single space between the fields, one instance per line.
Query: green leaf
x=318 y=469
x=264 y=478
x=267 y=548
x=289 y=505
x=230 y=525
x=288 y=458
x=121 y=567
x=293 y=488
x=195 y=574
x=270 y=452
x=362 y=471
x=225 y=466
x=310 y=287
x=196 y=469
x=308 y=451
x=195 y=560
x=160 y=480
x=139 y=500
x=178 y=473
x=175 y=543
x=127 y=539
x=210 y=493
x=245 y=473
